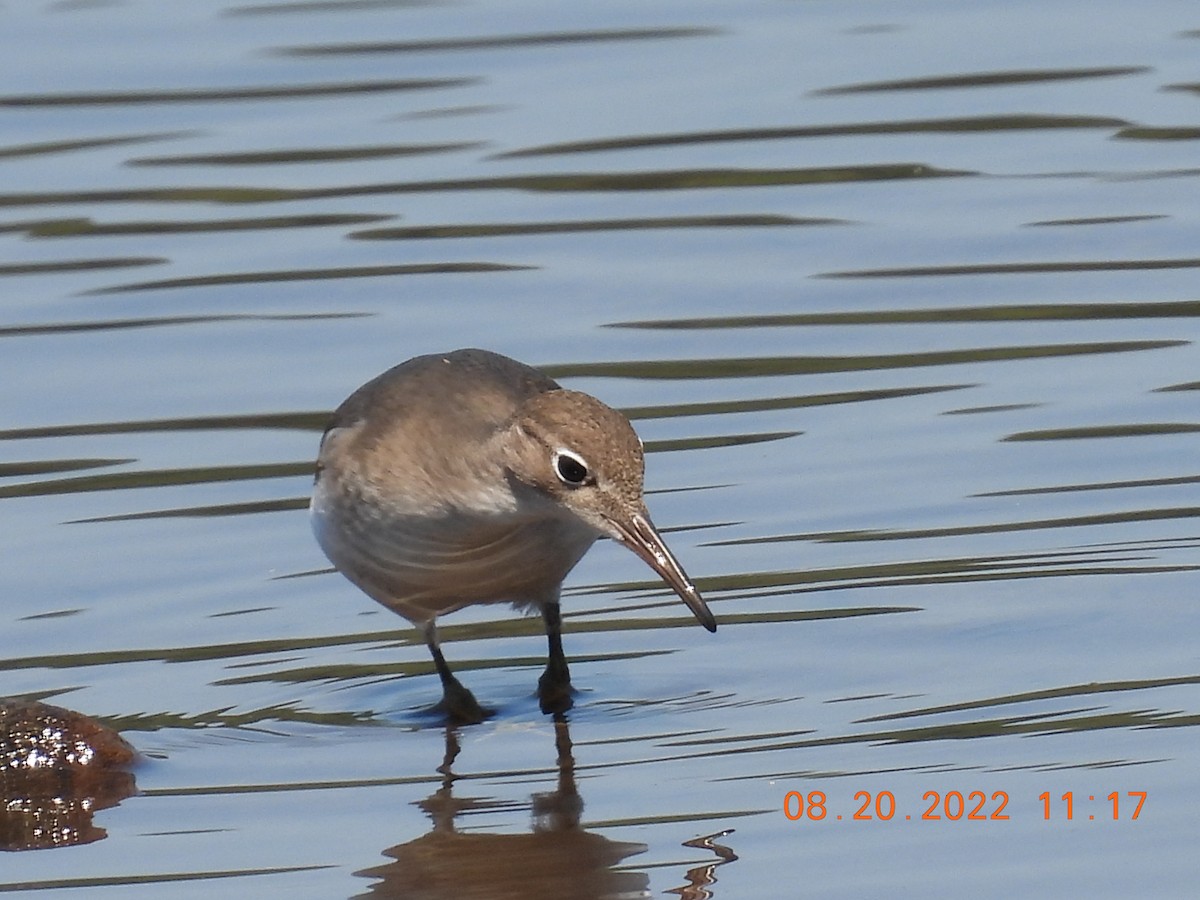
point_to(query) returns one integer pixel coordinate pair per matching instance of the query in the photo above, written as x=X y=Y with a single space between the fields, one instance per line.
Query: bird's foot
x=555 y=694
x=460 y=707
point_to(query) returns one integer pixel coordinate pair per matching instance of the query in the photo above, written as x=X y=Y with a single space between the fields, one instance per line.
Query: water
x=901 y=299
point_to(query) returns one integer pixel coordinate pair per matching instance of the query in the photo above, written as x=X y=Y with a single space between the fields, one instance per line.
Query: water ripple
x=984 y=79
x=382 y=271
x=226 y=94
x=950 y=125
x=510 y=229
x=499 y=41
x=757 y=367
x=1017 y=312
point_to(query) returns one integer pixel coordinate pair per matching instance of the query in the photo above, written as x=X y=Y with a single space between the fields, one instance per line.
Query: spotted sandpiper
x=468 y=477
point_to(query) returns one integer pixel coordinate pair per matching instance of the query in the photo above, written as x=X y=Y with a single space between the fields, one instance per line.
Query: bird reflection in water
x=700 y=878
x=556 y=859
x=57 y=768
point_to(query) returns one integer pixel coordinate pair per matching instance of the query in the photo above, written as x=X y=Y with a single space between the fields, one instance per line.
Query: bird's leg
x=458 y=703
x=554 y=687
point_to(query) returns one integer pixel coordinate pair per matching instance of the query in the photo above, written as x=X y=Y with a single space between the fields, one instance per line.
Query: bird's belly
x=422 y=566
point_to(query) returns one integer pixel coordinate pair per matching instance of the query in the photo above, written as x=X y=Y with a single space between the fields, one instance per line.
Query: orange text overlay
x=961 y=806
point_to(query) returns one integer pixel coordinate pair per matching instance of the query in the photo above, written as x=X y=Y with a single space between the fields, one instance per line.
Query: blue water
x=900 y=298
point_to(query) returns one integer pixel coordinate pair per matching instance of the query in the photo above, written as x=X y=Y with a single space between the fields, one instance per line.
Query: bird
x=467 y=477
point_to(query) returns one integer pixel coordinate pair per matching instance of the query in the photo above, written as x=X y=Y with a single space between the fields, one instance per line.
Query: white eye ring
x=570 y=468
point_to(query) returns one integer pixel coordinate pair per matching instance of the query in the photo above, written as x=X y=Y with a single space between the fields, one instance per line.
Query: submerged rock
x=57 y=767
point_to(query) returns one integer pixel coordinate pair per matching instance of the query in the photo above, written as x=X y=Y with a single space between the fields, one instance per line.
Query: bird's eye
x=570 y=469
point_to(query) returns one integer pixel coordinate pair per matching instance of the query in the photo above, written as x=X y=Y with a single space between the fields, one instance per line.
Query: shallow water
x=901 y=299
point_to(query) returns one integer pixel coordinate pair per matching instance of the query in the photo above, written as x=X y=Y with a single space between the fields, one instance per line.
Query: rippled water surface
x=901 y=297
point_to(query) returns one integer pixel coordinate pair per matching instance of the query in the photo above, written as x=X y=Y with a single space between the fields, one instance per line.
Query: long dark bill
x=640 y=536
